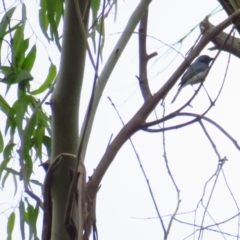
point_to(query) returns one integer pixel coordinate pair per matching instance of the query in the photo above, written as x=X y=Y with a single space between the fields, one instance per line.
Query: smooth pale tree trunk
x=65 y=112
x=65 y=102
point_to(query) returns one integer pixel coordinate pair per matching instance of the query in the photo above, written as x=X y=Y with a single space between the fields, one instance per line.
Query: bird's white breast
x=197 y=78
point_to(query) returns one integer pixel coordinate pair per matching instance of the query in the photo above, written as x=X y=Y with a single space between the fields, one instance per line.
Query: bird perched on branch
x=195 y=73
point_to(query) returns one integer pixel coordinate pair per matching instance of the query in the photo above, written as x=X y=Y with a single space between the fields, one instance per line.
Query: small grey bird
x=195 y=73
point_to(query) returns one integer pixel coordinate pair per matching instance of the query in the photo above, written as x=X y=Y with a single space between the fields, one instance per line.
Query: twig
x=205 y=228
x=197 y=117
x=142 y=169
x=143 y=57
x=141 y=115
x=234 y=199
x=217 y=175
x=173 y=181
x=210 y=140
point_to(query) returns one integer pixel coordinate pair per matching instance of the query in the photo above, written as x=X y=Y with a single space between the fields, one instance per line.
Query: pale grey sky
x=124 y=195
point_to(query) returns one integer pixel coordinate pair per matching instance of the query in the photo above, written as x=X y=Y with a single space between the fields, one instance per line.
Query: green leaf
x=5 y=21
x=24 y=14
x=19 y=76
x=21 y=51
x=39 y=140
x=15 y=184
x=1 y=142
x=7 y=154
x=95 y=5
x=14 y=174
x=10 y=224
x=19 y=47
x=47 y=83
x=5 y=108
x=50 y=14
x=17 y=38
x=28 y=163
x=23 y=75
x=20 y=107
x=4 y=24
x=30 y=59
x=31 y=219
x=13 y=28
x=21 y=214
x=29 y=131
x=47 y=144
x=36 y=182
x=5 y=178
x=10 y=124
x=59 y=11
x=16 y=46
x=6 y=70
x=43 y=19
x=10 y=170
x=53 y=10
x=101 y=31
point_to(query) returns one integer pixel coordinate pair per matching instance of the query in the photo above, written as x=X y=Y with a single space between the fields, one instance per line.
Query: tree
x=69 y=199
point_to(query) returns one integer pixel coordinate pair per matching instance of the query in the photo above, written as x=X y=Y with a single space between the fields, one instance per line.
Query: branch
x=143 y=171
x=143 y=58
x=166 y=234
x=230 y=6
x=109 y=66
x=139 y=118
x=197 y=117
x=206 y=228
x=231 y=45
x=65 y=109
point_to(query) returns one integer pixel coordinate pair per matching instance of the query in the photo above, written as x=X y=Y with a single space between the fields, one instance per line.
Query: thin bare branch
x=143 y=57
x=210 y=140
x=207 y=227
x=139 y=118
x=197 y=117
x=235 y=201
x=143 y=171
x=110 y=64
x=232 y=43
x=173 y=181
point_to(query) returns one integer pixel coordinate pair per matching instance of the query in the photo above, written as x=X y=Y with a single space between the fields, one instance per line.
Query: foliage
x=28 y=137
x=28 y=128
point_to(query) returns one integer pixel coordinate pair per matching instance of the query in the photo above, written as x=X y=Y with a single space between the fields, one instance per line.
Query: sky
x=125 y=209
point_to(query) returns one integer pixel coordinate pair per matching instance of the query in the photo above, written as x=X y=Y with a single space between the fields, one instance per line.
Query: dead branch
x=140 y=117
x=231 y=43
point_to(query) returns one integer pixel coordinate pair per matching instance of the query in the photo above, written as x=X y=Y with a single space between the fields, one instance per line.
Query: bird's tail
x=175 y=97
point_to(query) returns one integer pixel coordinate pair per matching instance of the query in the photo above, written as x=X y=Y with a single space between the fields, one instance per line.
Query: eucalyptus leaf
x=10 y=224
x=21 y=218
x=30 y=59
x=47 y=83
x=4 y=24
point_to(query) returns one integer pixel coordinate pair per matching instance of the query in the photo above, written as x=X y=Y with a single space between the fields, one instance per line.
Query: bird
x=195 y=73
